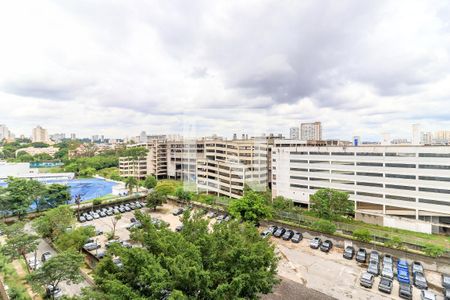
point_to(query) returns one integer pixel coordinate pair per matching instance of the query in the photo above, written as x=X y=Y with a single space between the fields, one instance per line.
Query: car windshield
x=367 y=276
x=385 y=281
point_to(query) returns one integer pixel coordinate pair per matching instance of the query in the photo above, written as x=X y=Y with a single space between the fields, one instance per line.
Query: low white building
x=23 y=170
x=403 y=181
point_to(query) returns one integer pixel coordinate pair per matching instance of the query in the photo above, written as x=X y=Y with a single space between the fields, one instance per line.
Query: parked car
x=126 y=244
x=403 y=271
x=109 y=212
x=110 y=242
x=46 y=256
x=446 y=294
x=89 y=218
x=427 y=295
x=211 y=214
x=82 y=219
x=53 y=292
x=91 y=246
x=297 y=237
x=361 y=255
x=387 y=259
x=387 y=272
x=132 y=206
x=374 y=257
x=118 y=262
x=287 y=235
x=416 y=267
x=445 y=279
x=272 y=228
x=349 y=252
x=280 y=231
x=121 y=209
x=127 y=207
x=179 y=228
x=227 y=218
x=420 y=281
x=98 y=232
x=366 y=280
x=221 y=217
x=326 y=246
x=405 y=291
x=96 y=216
x=266 y=233
x=385 y=285
x=315 y=243
x=33 y=263
x=102 y=214
x=373 y=268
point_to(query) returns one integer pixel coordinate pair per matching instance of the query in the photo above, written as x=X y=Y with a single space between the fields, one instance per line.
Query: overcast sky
x=119 y=67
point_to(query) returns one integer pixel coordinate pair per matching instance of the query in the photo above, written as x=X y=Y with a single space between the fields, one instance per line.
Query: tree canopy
x=149 y=182
x=331 y=204
x=155 y=199
x=252 y=207
x=231 y=261
x=55 y=222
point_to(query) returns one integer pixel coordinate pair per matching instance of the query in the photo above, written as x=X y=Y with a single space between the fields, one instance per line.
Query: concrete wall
x=369 y=218
x=408 y=224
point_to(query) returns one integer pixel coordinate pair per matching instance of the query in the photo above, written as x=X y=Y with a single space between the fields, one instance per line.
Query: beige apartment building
x=229 y=165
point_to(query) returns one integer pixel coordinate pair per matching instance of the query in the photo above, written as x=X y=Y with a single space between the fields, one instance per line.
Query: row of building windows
x=375 y=154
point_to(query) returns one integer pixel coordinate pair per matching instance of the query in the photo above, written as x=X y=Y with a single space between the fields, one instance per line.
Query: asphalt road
x=291 y=290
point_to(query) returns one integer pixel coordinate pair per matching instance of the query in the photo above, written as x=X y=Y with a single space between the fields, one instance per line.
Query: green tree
x=19 y=242
x=362 y=234
x=150 y=182
x=55 y=195
x=75 y=239
x=281 y=203
x=21 y=193
x=167 y=187
x=230 y=261
x=155 y=199
x=182 y=194
x=87 y=172
x=131 y=183
x=324 y=226
x=331 y=204
x=251 y=207
x=114 y=222
x=54 y=222
x=62 y=267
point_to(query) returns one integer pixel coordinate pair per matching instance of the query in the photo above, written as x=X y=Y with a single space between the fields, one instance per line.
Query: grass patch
x=16 y=284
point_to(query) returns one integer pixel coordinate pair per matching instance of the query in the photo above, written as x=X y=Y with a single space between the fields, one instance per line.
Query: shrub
x=324 y=226
x=433 y=250
x=362 y=235
x=395 y=242
x=96 y=202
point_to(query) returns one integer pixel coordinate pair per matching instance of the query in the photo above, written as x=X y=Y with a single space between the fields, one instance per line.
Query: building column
x=417 y=214
x=384 y=209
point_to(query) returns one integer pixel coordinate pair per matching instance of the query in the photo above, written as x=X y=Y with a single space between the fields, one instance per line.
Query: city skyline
x=361 y=73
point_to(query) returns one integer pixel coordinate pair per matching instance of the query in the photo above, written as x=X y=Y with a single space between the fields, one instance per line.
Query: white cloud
x=117 y=68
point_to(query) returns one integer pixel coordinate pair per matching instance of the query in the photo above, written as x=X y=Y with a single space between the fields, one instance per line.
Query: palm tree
x=130 y=183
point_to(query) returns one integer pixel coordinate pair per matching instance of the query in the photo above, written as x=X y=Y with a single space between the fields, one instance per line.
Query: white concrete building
x=23 y=170
x=415 y=134
x=230 y=165
x=404 y=181
x=311 y=131
x=33 y=150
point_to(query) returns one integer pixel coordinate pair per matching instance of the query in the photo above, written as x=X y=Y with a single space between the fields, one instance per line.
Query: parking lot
x=328 y=273
x=331 y=274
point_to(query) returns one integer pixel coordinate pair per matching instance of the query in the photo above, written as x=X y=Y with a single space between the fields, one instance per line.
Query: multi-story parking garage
x=407 y=181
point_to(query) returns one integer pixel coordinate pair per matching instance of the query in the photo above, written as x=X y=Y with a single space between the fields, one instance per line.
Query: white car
x=34 y=263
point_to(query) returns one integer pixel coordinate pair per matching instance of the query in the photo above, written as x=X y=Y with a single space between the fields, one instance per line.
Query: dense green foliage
x=83 y=165
x=252 y=207
x=55 y=222
x=155 y=199
x=324 y=226
x=167 y=187
x=20 y=193
x=63 y=267
x=18 y=242
x=281 y=203
x=131 y=183
x=434 y=250
x=229 y=262
x=150 y=182
x=362 y=235
x=331 y=204
x=110 y=173
x=182 y=194
x=74 y=239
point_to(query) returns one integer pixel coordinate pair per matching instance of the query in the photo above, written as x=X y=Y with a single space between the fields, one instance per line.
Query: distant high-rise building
x=40 y=135
x=5 y=134
x=143 y=137
x=57 y=137
x=442 y=137
x=294 y=133
x=73 y=136
x=415 y=134
x=311 y=131
x=426 y=138
x=386 y=139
